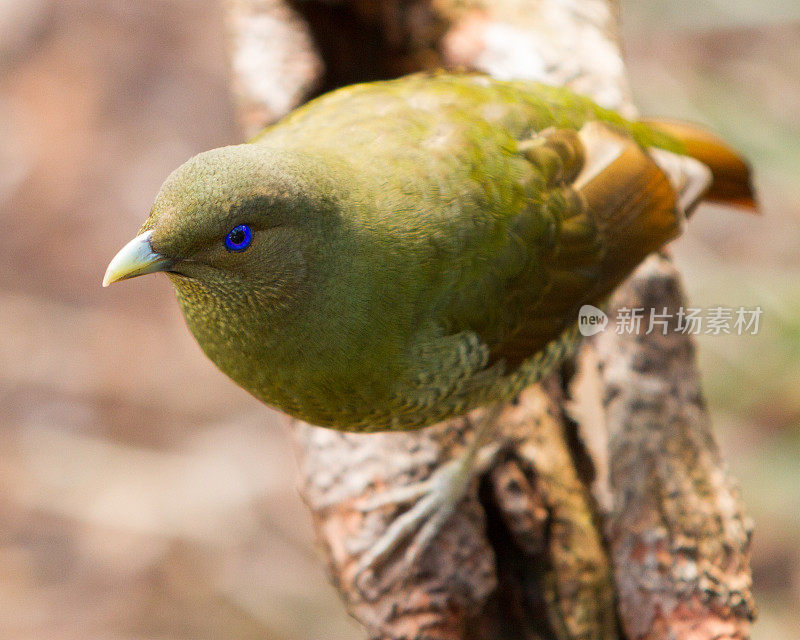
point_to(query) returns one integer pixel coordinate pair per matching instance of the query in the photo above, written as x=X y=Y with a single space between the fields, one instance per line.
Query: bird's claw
x=435 y=500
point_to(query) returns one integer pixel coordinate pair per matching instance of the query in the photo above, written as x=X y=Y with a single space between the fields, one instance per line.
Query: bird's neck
x=237 y=331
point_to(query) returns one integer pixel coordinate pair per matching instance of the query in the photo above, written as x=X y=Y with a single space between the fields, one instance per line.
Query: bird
x=396 y=253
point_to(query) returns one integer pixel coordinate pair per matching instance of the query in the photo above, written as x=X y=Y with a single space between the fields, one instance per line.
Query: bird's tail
x=731 y=178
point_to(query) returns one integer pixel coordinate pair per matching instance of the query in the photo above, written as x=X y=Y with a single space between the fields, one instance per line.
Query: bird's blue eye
x=239 y=238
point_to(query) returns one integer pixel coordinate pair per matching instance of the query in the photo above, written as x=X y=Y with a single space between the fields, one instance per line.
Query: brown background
x=142 y=495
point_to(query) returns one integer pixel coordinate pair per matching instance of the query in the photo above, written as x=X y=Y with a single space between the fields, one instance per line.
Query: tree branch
x=636 y=522
x=676 y=527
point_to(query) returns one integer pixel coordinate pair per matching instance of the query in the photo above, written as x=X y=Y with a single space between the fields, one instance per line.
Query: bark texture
x=677 y=532
x=611 y=515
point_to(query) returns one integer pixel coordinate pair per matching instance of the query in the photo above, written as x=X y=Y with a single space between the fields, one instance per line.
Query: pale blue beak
x=135 y=259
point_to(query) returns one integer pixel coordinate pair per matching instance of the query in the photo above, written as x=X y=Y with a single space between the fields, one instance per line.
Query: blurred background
x=142 y=495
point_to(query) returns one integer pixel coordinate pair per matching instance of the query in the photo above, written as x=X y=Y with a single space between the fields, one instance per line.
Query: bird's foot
x=433 y=501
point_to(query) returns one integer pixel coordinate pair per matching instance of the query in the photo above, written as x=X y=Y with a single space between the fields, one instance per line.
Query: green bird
x=397 y=253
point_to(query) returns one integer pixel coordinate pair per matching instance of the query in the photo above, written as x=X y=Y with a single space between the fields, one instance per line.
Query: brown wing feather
x=619 y=208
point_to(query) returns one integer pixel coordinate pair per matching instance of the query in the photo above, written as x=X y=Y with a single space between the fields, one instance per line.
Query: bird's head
x=242 y=218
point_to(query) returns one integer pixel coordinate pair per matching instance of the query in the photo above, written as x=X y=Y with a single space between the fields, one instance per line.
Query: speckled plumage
x=421 y=246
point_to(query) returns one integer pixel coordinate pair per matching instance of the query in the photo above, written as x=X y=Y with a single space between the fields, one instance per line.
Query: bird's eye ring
x=239 y=238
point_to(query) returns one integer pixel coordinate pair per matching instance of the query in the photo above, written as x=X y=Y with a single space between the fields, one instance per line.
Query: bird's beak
x=135 y=259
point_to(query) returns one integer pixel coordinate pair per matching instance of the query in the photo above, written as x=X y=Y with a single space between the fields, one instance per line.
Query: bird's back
x=438 y=136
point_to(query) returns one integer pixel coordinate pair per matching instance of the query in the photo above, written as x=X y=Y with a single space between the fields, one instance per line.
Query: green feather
x=418 y=248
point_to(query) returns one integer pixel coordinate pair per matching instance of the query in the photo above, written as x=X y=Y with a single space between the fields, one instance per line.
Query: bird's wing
x=606 y=205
